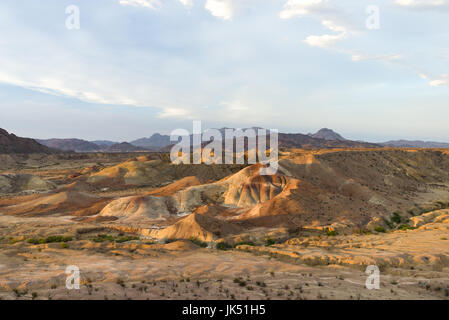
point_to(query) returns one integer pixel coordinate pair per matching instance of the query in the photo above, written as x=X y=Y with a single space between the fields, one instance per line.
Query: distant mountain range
x=104 y=143
x=324 y=138
x=415 y=144
x=78 y=145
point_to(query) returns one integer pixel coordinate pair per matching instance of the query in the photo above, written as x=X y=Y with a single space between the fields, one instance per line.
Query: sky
x=370 y=70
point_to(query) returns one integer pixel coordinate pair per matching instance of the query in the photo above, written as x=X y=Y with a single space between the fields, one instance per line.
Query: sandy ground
x=141 y=269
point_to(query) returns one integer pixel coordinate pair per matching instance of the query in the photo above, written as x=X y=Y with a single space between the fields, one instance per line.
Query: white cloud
x=334 y=26
x=152 y=4
x=336 y=20
x=443 y=80
x=170 y=112
x=324 y=41
x=328 y=40
x=295 y=8
x=330 y=18
x=220 y=8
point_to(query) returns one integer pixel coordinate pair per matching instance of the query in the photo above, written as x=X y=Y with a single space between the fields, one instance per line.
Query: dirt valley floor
x=138 y=227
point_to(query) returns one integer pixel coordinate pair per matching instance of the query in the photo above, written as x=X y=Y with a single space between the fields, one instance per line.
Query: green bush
x=389 y=224
x=405 y=227
x=331 y=233
x=11 y=240
x=269 y=242
x=223 y=246
x=198 y=242
x=50 y=239
x=396 y=218
x=380 y=229
x=126 y=239
x=362 y=231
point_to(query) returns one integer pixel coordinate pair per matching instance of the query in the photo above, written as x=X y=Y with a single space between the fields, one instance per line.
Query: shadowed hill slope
x=10 y=143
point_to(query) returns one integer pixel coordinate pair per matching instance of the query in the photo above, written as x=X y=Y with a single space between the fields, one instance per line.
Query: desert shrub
x=362 y=231
x=405 y=227
x=330 y=232
x=198 y=242
x=64 y=245
x=245 y=243
x=12 y=240
x=396 y=218
x=240 y=282
x=16 y=292
x=389 y=224
x=380 y=229
x=120 y=282
x=49 y=239
x=223 y=246
x=126 y=239
x=19 y=293
x=269 y=242
x=52 y=239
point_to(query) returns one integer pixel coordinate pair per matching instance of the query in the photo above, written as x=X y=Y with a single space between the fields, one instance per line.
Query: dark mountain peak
x=157 y=140
x=327 y=134
x=10 y=143
x=157 y=135
x=3 y=132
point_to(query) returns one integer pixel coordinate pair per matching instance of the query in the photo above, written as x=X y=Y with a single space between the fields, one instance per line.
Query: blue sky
x=136 y=67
